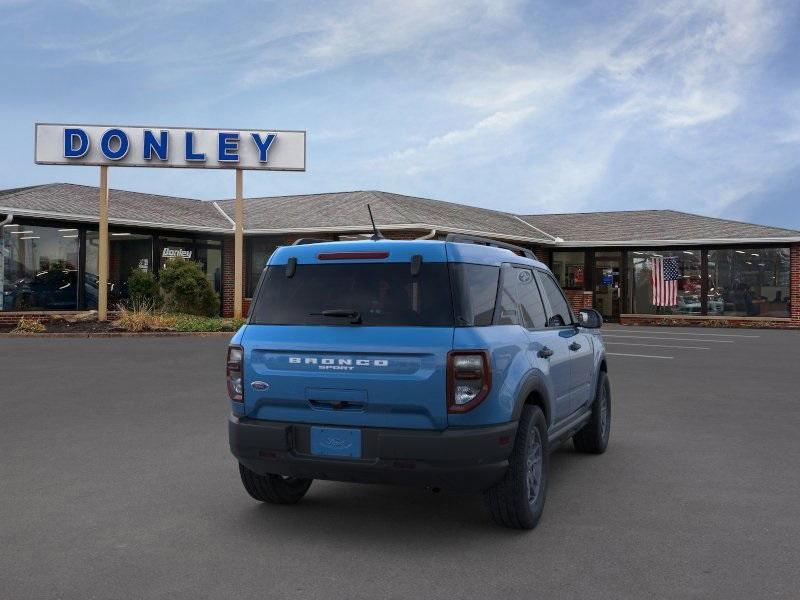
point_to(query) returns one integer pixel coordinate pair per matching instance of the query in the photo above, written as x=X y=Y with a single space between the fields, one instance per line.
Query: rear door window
x=559 y=313
x=519 y=300
x=383 y=294
x=507 y=302
x=530 y=300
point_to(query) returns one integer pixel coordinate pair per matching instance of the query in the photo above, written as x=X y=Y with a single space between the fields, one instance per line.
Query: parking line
x=736 y=335
x=659 y=346
x=638 y=355
x=652 y=337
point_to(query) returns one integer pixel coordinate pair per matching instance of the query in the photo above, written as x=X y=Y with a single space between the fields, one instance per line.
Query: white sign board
x=189 y=148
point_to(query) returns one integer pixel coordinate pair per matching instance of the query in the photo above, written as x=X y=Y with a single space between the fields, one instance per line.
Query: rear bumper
x=463 y=459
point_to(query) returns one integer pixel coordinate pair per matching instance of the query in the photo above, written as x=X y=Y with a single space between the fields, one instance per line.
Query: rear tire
x=593 y=438
x=274 y=489
x=517 y=501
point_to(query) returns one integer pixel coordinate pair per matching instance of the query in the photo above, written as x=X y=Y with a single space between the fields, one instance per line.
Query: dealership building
x=724 y=272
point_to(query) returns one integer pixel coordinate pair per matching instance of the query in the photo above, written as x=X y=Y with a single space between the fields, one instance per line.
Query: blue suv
x=454 y=364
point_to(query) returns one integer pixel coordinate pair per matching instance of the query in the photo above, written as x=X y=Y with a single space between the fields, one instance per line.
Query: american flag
x=664 y=277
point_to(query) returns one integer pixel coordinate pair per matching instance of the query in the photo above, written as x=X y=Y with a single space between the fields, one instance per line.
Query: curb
x=119 y=334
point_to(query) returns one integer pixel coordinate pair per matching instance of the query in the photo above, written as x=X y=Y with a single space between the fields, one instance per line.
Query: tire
x=593 y=438
x=517 y=501
x=274 y=489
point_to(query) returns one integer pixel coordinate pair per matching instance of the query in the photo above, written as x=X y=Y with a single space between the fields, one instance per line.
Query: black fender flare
x=534 y=382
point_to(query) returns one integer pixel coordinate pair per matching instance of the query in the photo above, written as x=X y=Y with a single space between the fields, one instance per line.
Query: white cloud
x=374 y=28
x=536 y=106
x=475 y=144
x=671 y=70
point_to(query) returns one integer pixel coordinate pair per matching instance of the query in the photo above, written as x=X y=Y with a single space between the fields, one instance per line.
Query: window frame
x=548 y=308
x=501 y=282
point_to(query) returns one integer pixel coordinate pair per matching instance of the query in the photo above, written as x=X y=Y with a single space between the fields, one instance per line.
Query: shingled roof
x=79 y=202
x=347 y=211
x=664 y=226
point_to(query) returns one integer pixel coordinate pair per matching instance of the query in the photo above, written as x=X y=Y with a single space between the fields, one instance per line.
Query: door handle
x=574 y=346
x=545 y=353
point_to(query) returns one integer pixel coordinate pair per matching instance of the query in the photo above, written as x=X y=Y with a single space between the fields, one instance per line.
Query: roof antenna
x=377 y=235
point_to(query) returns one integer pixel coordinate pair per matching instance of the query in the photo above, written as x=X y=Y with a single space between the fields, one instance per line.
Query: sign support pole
x=102 y=256
x=238 y=253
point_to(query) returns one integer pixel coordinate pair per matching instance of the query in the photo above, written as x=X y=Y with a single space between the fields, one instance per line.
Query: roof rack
x=304 y=241
x=481 y=241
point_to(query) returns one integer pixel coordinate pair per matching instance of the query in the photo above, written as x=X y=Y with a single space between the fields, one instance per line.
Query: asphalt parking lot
x=116 y=482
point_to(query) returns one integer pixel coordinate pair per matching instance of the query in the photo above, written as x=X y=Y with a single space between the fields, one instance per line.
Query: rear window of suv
x=382 y=294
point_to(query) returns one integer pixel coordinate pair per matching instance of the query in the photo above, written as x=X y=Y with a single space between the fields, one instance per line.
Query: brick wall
x=709 y=321
x=227 y=276
x=12 y=318
x=794 y=283
x=579 y=299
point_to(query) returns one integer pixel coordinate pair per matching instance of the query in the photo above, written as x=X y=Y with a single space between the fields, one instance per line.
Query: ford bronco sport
x=452 y=364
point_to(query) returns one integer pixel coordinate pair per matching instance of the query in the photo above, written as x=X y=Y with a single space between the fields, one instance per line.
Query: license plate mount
x=336 y=442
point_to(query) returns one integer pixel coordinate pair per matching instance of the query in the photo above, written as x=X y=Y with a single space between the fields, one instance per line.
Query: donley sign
x=189 y=148
x=121 y=146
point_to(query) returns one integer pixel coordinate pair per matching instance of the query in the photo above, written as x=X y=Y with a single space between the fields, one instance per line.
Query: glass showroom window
x=666 y=282
x=746 y=282
x=128 y=252
x=176 y=247
x=259 y=251
x=209 y=255
x=39 y=268
x=569 y=269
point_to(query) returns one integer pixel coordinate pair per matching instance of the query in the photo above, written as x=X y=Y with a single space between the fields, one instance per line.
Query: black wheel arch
x=534 y=391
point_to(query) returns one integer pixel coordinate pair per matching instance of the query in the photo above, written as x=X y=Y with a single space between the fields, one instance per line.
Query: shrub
x=142 y=317
x=143 y=289
x=186 y=289
x=28 y=325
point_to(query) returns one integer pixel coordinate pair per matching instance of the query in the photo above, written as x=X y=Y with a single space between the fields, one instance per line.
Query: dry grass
x=26 y=325
x=142 y=317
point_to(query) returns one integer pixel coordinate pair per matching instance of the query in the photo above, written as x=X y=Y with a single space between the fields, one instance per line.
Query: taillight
x=469 y=378
x=235 y=372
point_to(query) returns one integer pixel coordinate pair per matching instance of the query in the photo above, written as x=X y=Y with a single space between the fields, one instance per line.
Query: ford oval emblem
x=261 y=386
x=337 y=443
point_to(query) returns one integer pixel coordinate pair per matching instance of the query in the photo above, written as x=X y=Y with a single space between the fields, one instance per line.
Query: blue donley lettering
x=159 y=146
x=115 y=144
x=76 y=143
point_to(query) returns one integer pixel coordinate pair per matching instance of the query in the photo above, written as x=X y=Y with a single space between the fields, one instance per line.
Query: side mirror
x=590 y=318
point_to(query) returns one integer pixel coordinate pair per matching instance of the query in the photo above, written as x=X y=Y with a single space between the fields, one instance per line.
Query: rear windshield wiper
x=343 y=313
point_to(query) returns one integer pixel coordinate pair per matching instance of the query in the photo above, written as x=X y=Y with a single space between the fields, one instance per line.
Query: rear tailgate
x=350 y=376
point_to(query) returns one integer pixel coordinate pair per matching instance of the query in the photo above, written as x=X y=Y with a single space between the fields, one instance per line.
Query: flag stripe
x=664 y=280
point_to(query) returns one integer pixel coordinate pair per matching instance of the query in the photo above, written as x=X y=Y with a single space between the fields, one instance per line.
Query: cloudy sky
x=523 y=106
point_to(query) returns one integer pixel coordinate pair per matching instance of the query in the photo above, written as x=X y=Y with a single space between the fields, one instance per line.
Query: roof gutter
x=400 y=227
x=428 y=236
x=113 y=221
x=552 y=237
x=224 y=214
x=554 y=242
x=686 y=242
